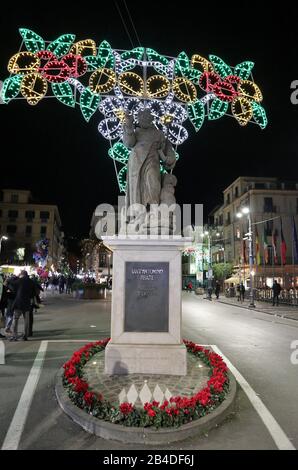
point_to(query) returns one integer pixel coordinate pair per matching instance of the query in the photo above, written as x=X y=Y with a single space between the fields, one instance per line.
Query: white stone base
x=145 y=359
x=146 y=352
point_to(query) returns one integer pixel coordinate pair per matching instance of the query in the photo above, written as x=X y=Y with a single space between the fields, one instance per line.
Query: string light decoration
x=218 y=109
x=61 y=45
x=23 y=62
x=11 y=88
x=177 y=91
x=86 y=46
x=76 y=64
x=33 y=41
x=33 y=87
x=259 y=115
x=204 y=64
x=220 y=66
x=89 y=103
x=158 y=86
x=244 y=69
x=56 y=71
x=119 y=152
x=122 y=179
x=102 y=80
x=64 y=93
x=250 y=90
x=242 y=110
x=184 y=90
x=131 y=83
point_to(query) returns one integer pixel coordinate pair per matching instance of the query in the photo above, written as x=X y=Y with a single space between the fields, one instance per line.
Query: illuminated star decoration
x=98 y=78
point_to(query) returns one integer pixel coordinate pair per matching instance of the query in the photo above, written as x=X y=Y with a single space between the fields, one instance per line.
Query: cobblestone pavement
x=141 y=388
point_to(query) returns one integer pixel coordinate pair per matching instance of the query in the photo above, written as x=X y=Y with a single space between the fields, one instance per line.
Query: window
x=28 y=230
x=12 y=214
x=30 y=215
x=290 y=185
x=228 y=218
x=43 y=231
x=236 y=191
x=259 y=185
x=269 y=228
x=268 y=204
x=44 y=215
x=0 y=212
x=14 y=198
x=102 y=260
x=228 y=198
x=221 y=216
x=11 y=229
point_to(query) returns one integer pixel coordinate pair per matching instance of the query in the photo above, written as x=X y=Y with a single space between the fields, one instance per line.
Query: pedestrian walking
x=11 y=285
x=61 y=283
x=22 y=305
x=210 y=290
x=217 y=289
x=276 y=288
x=241 y=292
x=3 y=303
x=238 y=292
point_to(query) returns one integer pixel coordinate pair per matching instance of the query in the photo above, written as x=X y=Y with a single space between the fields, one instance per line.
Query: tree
x=222 y=270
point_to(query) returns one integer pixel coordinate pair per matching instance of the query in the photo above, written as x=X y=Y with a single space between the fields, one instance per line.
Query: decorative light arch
x=99 y=78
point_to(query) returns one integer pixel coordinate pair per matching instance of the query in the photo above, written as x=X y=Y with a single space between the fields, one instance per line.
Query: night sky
x=51 y=150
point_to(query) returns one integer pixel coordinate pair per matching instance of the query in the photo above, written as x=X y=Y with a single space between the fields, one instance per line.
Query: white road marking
x=14 y=433
x=274 y=429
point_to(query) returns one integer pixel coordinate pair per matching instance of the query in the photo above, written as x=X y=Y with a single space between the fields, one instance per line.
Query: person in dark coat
x=3 y=301
x=276 y=292
x=11 y=285
x=217 y=289
x=22 y=304
x=242 y=292
x=61 y=284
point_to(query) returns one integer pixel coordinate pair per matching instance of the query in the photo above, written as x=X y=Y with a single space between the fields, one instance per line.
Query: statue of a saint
x=149 y=146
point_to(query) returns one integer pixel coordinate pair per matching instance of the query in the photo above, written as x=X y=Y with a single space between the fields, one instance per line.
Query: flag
x=265 y=247
x=295 y=241
x=283 y=246
x=258 y=257
x=274 y=252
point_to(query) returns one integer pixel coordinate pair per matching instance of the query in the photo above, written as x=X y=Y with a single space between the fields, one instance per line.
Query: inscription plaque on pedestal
x=146 y=297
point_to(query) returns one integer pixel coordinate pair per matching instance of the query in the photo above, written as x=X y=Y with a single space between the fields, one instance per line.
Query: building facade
x=273 y=206
x=24 y=223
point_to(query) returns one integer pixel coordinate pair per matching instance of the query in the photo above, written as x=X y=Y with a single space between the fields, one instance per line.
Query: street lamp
x=207 y=234
x=246 y=211
x=3 y=237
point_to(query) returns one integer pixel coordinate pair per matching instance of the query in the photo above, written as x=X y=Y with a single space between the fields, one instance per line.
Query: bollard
x=2 y=353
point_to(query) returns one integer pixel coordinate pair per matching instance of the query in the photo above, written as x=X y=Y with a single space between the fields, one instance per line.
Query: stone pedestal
x=146 y=306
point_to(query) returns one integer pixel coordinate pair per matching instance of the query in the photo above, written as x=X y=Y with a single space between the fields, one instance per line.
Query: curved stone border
x=135 y=435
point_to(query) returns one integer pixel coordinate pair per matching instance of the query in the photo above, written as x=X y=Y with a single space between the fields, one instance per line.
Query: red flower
x=151 y=413
x=88 y=398
x=126 y=408
x=148 y=406
x=80 y=385
x=70 y=372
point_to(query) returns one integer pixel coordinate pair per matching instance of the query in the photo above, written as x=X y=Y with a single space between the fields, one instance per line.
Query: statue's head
x=145 y=118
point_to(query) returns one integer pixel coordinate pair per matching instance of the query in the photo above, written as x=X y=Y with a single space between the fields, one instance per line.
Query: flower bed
x=174 y=412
